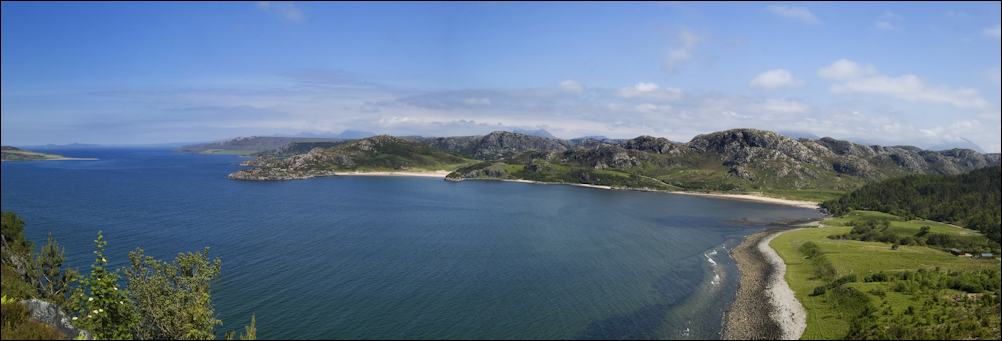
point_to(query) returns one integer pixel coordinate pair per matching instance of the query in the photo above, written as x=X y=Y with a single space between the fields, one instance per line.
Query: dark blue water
x=402 y=257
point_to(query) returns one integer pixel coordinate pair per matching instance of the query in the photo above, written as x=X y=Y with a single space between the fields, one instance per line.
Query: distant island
x=732 y=161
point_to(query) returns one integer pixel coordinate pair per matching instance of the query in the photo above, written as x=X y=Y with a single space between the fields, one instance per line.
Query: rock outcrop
x=747 y=159
x=50 y=314
x=501 y=144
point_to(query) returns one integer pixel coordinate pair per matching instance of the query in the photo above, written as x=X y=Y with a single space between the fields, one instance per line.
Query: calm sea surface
x=404 y=257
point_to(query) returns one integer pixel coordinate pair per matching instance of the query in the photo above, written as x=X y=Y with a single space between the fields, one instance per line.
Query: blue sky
x=135 y=73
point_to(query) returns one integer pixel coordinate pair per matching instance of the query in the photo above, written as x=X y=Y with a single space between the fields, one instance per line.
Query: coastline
x=59 y=159
x=435 y=174
x=755 y=198
x=763 y=280
x=72 y=159
x=728 y=196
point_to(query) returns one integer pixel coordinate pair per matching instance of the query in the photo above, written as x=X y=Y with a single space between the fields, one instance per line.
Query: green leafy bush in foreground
x=172 y=299
x=162 y=300
x=100 y=306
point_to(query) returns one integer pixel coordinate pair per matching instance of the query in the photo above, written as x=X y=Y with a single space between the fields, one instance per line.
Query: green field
x=831 y=317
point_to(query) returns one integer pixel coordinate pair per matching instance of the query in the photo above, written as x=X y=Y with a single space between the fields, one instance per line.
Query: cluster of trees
x=161 y=300
x=973 y=199
x=941 y=305
x=945 y=306
x=873 y=229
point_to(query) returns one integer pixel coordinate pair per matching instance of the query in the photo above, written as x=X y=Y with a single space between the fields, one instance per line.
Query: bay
x=404 y=257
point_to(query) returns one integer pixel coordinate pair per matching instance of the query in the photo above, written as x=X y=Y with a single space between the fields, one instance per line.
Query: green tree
x=16 y=250
x=173 y=299
x=250 y=331
x=53 y=281
x=100 y=306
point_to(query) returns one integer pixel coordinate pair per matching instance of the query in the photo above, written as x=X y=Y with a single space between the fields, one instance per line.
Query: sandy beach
x=435 y=174
x=550 y=183
x=743 y=197
x=73 y=159
x=59 y=159
x=762 y=280
x=755 y=198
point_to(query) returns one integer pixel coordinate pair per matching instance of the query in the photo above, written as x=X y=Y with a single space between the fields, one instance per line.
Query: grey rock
x=501 y=144
x=50 y=314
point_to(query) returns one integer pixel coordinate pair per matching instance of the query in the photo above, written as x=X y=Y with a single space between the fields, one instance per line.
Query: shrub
x=100 y=306
x=823 y=269
x=173 y=299
x=810 y=249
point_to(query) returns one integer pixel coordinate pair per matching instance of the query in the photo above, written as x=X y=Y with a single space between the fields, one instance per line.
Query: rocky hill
x=493 y=146
x=733 y=160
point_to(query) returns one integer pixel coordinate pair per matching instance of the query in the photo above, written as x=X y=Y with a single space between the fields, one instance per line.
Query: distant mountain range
x=740 y=160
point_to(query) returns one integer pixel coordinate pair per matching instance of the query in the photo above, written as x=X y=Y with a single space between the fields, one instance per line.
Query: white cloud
x=885 y=25
x=889 y=21
x=285 y=10
x=650 y=91
x=843 y=69
x=571 y=86
x=800 y=14
x=993 y=32
x=957 y=14
x=478 y=101
x=994 y=75
x=774 y=79
x=865 y=79
x=781 y=106
x=651 y=108
x=687 y=42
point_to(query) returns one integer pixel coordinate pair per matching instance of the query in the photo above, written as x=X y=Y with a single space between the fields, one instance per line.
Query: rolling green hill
x=855 y=289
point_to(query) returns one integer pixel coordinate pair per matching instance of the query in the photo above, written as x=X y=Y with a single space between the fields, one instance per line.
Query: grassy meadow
x=917 y=307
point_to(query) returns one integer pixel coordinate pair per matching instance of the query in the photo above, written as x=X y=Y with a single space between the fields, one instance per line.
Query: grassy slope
x=827 y=321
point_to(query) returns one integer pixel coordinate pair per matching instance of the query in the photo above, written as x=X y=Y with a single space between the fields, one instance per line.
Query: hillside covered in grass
x=973 y=199
x=854 y=289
